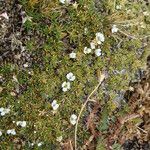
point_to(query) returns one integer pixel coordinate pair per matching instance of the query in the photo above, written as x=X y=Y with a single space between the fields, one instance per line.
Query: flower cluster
x=66 y=85
x=21 y=123
x=39 y=144
x=4 y=111
x=94 y=45
x=11 y=132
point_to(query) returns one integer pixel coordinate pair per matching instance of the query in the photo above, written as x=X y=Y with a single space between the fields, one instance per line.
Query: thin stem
x=133 y=36
x=84 y=105
x=114 y=5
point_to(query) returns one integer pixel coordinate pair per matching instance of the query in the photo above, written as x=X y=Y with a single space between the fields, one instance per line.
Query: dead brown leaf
x=67 y=145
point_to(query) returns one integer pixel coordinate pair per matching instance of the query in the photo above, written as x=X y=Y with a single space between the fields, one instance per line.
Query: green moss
x=64 y=34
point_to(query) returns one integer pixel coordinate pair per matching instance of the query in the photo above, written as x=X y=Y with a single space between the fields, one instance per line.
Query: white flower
x=62 y=1
x=15 y=78
x=21 y=123
x=72 y=55
x=22 y=48
x=4 y=111
x=92 y=44
x=7 y=110
x=12 y=93
x=75 y=5
x=11 y=131
x=39 y=144
x=4 y=15
x=118 y=7
x=100 y=37
x=146 y=13
x=131 y=88
x=59 y=139
x=114 y=29
x=65 y=1
x=27 y=18
x=25 y=65
x=31 y=144
x=98 y=52
x=0 y=133
x=142 y=25
x=87 y=50
x=70 y=76
x=65 y=86
x=73 y=119
x=54 y=105
x=85 y=30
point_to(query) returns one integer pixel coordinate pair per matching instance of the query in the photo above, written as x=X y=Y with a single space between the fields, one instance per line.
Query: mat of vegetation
x=65 y=67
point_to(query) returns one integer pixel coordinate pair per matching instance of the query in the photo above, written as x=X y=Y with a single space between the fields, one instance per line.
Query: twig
x=92 y=100
x=114 y=5
x=128 y=35
x=71 y=145
x=129 y=117
x=133 y=36
x=142 y=130
x=129 y=24
x=102 y=77
x=128 y=21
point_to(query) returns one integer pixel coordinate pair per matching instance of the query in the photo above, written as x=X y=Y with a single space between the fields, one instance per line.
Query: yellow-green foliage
x=66 y=33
